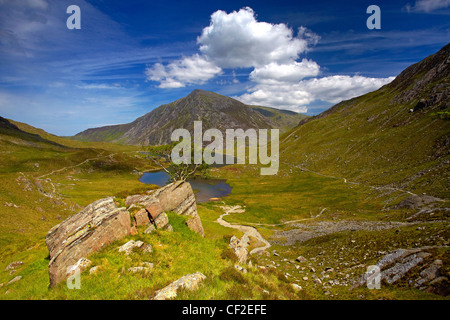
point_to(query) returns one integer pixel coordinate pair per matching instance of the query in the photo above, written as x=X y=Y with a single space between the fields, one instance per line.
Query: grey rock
x=14 y=280
x=190 y=282
x=86 y=232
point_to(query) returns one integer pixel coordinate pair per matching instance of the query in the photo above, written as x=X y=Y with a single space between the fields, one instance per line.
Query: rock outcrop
x=102 y=223
x=190 y=282
x=401 y=263
x=86 y=232
x=177 y=197
x=240 y=248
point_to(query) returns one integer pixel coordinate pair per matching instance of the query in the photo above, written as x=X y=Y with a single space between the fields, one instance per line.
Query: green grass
x=292 y=194
x=371 y=140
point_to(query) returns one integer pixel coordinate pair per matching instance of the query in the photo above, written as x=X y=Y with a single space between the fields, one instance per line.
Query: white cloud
x=189 y=70
x=238 y=40
x=295 y=96
x=292 y=72
x=427 y=5
x=98 y=86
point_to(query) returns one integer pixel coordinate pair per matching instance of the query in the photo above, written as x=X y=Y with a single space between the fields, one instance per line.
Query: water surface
x=204 y=189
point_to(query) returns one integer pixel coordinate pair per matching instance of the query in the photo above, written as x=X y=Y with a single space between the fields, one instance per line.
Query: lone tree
x=162 y=156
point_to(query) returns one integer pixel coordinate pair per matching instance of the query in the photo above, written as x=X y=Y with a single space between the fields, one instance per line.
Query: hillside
x=11 y=134
x=284 y=120
x=398 y=135
x=216 y=111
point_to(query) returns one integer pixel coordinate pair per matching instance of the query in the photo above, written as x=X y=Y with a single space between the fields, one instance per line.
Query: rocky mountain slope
x=398 y=135
x=216 y=111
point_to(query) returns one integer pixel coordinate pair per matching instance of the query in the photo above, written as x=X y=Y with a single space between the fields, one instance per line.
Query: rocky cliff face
x=102 y=223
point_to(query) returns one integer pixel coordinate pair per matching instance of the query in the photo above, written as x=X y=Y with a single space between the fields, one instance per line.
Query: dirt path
x=247 y=230
x=351 y=182
x=77 y=165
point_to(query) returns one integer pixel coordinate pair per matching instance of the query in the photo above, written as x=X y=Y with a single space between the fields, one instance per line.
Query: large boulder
x=177 y=197
x=97 y=225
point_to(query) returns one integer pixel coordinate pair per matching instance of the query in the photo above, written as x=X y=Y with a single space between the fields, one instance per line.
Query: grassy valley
x=364 y=182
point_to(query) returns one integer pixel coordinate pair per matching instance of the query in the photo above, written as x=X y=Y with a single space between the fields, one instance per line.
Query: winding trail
x=351 y=182
x=247 y=230
x=77 y=165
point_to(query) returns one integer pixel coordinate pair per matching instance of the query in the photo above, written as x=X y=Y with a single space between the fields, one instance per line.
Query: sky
x=130 y=57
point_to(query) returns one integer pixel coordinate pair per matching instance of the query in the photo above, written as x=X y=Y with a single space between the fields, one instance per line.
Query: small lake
x=204 y=189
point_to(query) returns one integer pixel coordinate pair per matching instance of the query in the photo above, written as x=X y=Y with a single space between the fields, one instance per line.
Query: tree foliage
x=162 y=156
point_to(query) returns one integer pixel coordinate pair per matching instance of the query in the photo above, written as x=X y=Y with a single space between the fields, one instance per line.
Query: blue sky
x=129 y=57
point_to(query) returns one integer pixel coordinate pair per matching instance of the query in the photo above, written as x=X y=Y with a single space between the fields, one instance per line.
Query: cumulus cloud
x=292 y=72
x=189 y=70
x=295 y=96
x=238 y=40
x=427 y=5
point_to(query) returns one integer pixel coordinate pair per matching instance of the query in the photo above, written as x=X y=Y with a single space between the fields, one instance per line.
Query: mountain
x=216 y=111
x=398 y=135
x=281 y=119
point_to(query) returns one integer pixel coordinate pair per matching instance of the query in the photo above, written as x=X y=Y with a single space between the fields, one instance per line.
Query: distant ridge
x=214 y=110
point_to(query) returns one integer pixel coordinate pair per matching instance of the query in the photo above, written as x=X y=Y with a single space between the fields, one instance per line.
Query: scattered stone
x=305 y=278
x=239 y=268
x=240 y=248
x=93 y=270
x=146 y=248
x=150 y=229
x=138 y=269
x=14 y=280
x=190 y=282
x=318 y=281
x=13 y=265
x=130 y=245
x=301 y=259
x=329 y=269
x=10 y=204
x=168 y=227
x=81 y=265
x=296 y=287
x=312 y=270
